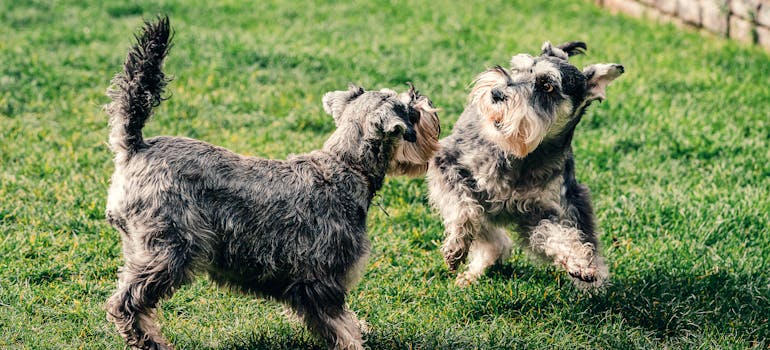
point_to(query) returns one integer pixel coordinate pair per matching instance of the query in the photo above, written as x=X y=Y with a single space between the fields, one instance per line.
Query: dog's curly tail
x=137 y=90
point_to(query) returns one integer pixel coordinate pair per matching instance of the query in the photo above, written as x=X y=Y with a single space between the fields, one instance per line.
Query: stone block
x=667 y=6
x=763 y=37
x=741 y=30
x=714 y=16
x=661 y=17
x=689 y=11
x=629 y=7
x=746 y=9
x=763 y=15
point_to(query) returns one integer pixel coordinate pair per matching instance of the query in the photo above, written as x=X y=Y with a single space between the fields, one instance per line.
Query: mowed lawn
x=677 y=158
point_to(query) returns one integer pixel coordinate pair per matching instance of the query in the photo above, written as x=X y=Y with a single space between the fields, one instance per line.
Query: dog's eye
x=547 y=87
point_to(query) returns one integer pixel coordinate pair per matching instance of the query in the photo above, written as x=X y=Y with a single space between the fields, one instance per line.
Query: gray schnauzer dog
x=509 y=162
x=292 y=230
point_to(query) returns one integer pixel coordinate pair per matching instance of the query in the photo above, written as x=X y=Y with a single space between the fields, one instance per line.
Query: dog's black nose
x=410 y=136
x=621 y=68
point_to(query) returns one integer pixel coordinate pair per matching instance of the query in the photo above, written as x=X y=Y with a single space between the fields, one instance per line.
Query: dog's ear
x=599 y=76
x=553 y=51
x=334 y=102
x=422 y=110
x=396 y=122
x=426 y=122
x=573 y=48
x=563 y=51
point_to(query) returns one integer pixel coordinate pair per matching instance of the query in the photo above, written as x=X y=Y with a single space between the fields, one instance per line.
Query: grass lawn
x=678 y=160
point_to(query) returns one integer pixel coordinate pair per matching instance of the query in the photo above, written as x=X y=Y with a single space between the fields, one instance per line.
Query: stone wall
x=746 y=21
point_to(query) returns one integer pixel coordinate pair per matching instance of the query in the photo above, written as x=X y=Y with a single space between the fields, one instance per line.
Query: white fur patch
x=522 y=62
x=512 y=123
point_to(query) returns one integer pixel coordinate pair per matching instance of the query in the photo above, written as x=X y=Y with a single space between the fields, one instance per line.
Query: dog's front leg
x=459 y=236
x=566 y=246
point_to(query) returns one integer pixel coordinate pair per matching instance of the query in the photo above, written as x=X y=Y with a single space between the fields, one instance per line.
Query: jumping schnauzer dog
x=292 y=230
x=509 y=162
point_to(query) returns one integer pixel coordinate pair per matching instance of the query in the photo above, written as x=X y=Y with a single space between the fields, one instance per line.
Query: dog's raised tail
x=138 y=88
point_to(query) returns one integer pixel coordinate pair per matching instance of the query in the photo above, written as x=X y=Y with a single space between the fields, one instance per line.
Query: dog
x=509 y=163
x=291 y=230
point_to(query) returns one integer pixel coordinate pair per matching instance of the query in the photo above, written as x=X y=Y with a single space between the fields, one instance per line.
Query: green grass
x=677 y=158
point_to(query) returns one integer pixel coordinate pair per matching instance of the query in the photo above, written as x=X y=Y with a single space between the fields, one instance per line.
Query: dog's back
x=254 y=204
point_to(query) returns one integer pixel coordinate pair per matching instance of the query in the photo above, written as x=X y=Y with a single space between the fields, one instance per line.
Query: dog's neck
x=369 y=156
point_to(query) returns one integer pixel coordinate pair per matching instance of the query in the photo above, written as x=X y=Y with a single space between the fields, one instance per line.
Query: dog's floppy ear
x=334 y=102
x=599 y=76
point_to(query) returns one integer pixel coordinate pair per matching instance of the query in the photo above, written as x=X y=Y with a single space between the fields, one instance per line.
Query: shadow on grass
x=665 y=306
x=274 y=341
x=671 y=304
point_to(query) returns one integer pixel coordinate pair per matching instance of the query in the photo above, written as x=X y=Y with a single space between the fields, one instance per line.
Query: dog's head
x=412 y=158
x=538 y=97
x=406 y=121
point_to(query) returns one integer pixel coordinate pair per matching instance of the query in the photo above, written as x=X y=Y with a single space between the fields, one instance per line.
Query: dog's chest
x=510 y=193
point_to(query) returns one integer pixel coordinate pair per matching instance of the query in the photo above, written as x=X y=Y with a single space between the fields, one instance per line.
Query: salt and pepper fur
x=292 y=230
x=509 y=164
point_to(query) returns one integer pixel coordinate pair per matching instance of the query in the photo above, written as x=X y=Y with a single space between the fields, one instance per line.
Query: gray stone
x=763 y=15
x=714 y=16
x=746 y=9
x=667 y=6
x=763 y=37
x=689 y=11
x=741 y=30
x=629 y=7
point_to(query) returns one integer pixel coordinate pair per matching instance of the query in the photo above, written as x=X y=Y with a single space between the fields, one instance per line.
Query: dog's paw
x=587 y=274
x=454 y=255
x=151 y=345
x=466 y=279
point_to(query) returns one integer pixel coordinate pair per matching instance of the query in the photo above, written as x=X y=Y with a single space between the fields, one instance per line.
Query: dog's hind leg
x=321 y=305
x=491 y=245
x=147 y=277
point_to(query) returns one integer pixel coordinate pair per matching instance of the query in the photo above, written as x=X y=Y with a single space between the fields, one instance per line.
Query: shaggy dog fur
x=292 y=230
x=509 y=163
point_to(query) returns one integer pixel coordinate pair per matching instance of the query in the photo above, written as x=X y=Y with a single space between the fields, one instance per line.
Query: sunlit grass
x=677 y=158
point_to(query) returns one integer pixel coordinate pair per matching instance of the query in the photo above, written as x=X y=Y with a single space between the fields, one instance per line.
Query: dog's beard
x=513 y=126
x=510 y=123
